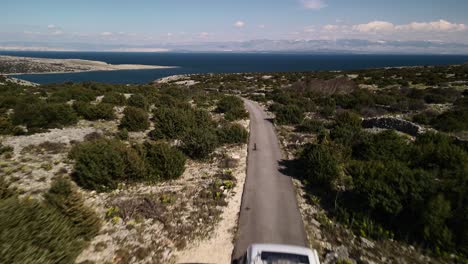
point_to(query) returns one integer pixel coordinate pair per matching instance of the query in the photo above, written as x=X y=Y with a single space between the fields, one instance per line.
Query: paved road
x=269 y=212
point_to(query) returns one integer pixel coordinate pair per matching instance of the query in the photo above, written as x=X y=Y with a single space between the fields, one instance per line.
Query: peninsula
x=29 y=65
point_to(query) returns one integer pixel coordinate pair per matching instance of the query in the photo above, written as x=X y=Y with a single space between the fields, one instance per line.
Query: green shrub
x=424 y=118
x=72 y=92
x=33 y=233
x=55 y=231
x=320 y=164
x=348 y=118
x=199 y=143
x=172 y=123
x=5 y=192
x=452 y=121
x=42 y=115
x=175 y=123
x=138 y=100
x=64 y=197
x=289 y=115
x=95 y=112
x=435 y=219
x=7 y=127
x=5 y=149
x=164 y=162
x=99 y=165
x=387 y=145
x=114 y=99
x=134 y=119
x=233 y=134
x=122 y=134
x=102 y=164
x=310 y=126
x=232 y=107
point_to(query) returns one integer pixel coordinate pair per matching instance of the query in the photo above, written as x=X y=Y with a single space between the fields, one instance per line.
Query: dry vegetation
x=155 y=209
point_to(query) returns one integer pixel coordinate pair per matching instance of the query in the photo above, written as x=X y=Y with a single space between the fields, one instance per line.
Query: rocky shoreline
x=12 y=65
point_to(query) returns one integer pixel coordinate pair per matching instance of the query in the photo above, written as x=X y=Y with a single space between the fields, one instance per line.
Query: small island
x=29 y=65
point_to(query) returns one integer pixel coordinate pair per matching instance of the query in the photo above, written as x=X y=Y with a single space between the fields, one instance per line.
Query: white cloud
x=313 y=4
x=309 y=29
x=204 y=34
x=52 y=26
x=57 y=32
x=106 y=34
x=387 y=27
x=239 y=24
x=331 y=27
x=261 y=26
x=441 y=26
x=375 y=26
x=27 y=32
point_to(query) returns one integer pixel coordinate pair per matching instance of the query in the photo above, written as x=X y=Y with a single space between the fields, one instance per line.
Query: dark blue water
x=223 y=63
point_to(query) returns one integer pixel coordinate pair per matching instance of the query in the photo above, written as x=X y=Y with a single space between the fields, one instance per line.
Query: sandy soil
x=28 y=65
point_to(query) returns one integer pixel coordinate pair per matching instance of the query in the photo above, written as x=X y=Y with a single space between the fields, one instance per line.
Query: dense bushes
x=43 y=115
x=455 y=120
x=51 y=232
x=232 y=107
x=320 y=164
x=411 y=188
x=102 y=164
x=134 y=119
x=451 y=121
x=69 y=203
x=232 y=134
x=200 y=142
x=114 y=99
x=94 y=112
x=289 y=115
x=195 y=129
x=138 y=100
x=310 y=126
x=163 y=162
x=173 y=123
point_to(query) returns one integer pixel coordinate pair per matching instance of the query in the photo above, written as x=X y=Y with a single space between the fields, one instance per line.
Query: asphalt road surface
x=269 y=212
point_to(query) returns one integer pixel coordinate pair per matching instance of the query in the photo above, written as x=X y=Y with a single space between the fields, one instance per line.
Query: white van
x=279 y=254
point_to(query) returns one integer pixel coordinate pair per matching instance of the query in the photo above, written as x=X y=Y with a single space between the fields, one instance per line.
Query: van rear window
x=283 y=258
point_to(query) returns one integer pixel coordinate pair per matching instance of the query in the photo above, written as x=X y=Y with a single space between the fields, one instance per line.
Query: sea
x=189 y=63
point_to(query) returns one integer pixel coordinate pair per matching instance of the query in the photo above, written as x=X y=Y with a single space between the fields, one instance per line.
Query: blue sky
x=178 y=21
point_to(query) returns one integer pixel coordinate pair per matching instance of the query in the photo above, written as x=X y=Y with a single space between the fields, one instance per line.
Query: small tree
x=64 y=197
x=289 y=115
x=233 y=134
x=435 y=217
x=134 y=119
x=200 y=142
x=232 y=107
x=99 y=165
x=43 y=115
x=320 y=164
x=95 y=112
x=164 y=162
x=114 y=99
x=138 y=100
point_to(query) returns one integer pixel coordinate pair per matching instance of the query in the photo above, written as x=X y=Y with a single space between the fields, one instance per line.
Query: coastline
x=59 y=66
x=65 y=72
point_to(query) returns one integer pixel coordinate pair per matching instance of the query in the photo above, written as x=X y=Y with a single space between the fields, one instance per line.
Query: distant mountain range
x=286 y=46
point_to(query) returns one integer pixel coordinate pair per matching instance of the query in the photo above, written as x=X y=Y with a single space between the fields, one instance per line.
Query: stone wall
x=393 y=123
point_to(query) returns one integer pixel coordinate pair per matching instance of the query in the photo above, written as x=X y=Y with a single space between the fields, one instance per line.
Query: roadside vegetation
x=403 y=178
x=55 y=230
x=113 y=142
